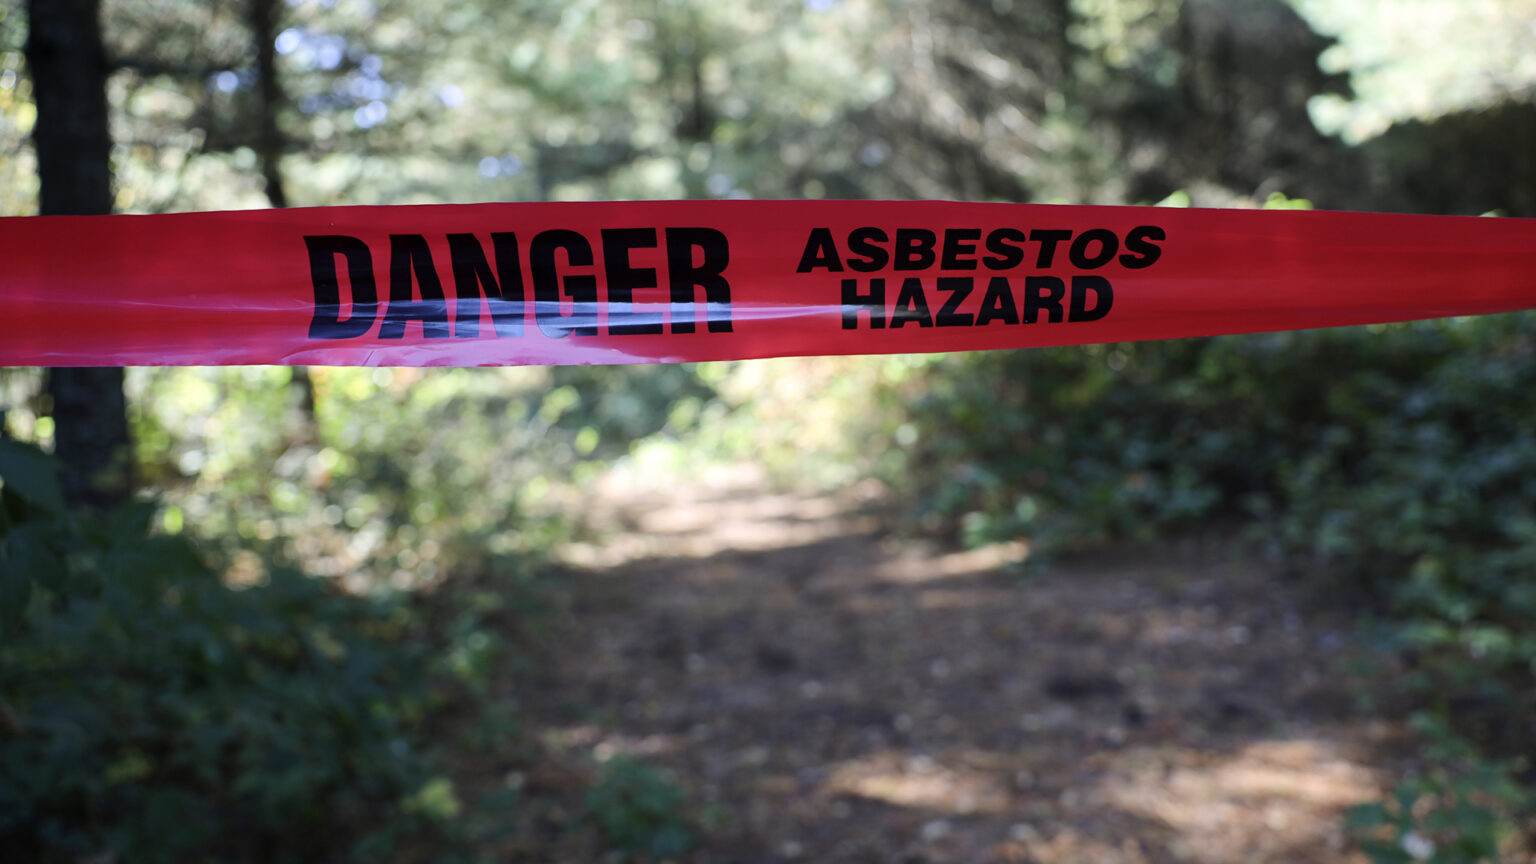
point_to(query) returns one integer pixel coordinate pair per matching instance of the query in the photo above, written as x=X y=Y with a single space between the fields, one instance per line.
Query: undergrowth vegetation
x=389 y=477
x=153 y=713
x=286 y=654
x=1394 y=467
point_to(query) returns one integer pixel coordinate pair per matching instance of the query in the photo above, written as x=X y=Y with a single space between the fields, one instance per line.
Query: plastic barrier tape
x=631 y=282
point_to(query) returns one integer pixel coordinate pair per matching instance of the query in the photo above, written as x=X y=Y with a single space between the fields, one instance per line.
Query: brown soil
x=826 y=693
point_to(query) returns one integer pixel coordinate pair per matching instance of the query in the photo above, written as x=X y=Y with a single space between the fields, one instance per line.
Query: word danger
x=562 y=274
x=938 y=302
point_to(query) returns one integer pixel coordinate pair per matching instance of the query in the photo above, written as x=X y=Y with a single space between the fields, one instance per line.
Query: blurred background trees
x=1079 y=100
x=1393 y=466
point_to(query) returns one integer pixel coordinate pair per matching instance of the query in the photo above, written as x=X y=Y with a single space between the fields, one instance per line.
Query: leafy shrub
x=150 y=713
x=1459 y=812
x=391 y=476
x=640 y=812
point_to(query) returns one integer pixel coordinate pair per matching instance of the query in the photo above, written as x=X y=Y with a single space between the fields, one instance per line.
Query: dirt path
x=844 y=697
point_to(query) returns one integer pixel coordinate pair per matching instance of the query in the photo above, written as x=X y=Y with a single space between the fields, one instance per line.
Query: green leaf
x=670 y=841
x=15 y=592
x=1382 y=852
x=1366 y=816
x=27 y=557
x=33 y=549
x=130 y=523
x=31 y=473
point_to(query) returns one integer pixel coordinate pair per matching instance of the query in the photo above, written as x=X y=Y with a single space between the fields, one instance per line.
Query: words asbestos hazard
x=878 y=302
x=648 y=280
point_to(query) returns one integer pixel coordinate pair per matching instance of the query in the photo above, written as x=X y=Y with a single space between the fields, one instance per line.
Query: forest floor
x=826 y=692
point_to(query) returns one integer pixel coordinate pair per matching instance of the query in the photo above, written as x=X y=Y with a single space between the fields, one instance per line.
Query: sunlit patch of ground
x=1269 y=800
x=846 y=696
x=921 y=782
x=726 y=509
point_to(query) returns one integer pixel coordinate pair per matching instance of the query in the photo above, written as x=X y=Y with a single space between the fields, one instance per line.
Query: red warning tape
x=639 y=282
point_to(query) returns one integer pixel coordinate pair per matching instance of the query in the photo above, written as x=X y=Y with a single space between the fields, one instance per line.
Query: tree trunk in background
x=270 y=144
x=269 y=94
x=1065 y=19
x=69 y=78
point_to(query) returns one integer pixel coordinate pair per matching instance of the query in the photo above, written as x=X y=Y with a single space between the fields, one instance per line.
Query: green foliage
x=150 y=713
x=41 y=547
x=398 y=476
x=1416 y=59
x=639 y=811
x=1086 y=100
x=1459 y=812
x=31 y=475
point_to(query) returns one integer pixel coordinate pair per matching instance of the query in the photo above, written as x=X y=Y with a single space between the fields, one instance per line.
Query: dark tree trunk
x=1065 y=20
x=69 y=78
x=270 y=145
x=69 y=74
x=269 y=94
